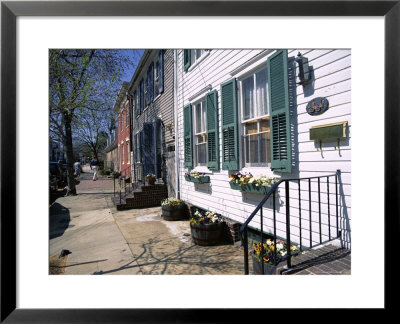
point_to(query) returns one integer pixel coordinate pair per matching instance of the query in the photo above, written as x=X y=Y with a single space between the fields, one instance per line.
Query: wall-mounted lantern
x=304 y=70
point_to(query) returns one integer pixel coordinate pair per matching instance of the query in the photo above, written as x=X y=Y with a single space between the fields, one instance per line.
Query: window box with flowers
x=197 y=177
x=265 y=256
x=173 y=209
x=246 y=182
x=206 y=228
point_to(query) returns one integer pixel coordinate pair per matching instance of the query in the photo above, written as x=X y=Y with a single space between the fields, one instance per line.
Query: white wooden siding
x=332 y=79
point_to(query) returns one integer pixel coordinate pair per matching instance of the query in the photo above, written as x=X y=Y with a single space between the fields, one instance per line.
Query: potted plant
x=206 y=228
x=151 y=179
x=267 y=254
x=197 y=177
x=173 y=209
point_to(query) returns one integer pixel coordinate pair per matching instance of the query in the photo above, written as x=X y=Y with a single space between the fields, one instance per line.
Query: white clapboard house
x=278 y=113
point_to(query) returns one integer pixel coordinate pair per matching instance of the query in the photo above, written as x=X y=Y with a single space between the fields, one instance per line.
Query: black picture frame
x=11 y=10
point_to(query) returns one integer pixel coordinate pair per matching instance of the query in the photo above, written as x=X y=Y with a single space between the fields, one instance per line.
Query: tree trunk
x=70 y=154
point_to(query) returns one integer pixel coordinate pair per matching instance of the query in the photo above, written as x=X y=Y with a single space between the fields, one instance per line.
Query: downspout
x=177 y=193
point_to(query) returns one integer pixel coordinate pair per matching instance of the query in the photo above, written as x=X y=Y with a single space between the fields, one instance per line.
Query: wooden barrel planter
x=171 y=213
x=206 y=235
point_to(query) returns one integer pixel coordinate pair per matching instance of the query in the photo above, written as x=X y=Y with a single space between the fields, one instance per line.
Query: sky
x=135 y=56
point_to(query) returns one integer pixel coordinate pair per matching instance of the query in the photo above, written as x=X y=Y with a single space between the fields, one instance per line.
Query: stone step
x=143 y=196
x=316 y=256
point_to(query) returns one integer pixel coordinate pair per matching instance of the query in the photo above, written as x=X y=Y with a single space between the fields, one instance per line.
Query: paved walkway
x=165 y=247
x=84 y=225
x=138 y=241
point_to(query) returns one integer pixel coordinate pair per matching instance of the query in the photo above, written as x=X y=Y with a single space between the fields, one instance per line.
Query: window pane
x=251 y=128
x=198 y=53
x=261 y=93
x=203 y=116
x=264 y=147
x=264 y=125
x=198 y=118
x=246 y=148
x=253 y=148
x=201 y=153
x=248 y=97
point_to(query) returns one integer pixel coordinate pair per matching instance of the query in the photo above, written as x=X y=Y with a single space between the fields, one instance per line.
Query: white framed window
x=196 y=55
x=254 y=112
x=200 y=133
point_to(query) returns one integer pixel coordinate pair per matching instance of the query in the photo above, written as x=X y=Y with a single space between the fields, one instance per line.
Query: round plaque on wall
x=317 y=106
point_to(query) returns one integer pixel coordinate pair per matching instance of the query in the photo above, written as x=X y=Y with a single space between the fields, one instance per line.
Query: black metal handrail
x=272 y=192
x=123 y=187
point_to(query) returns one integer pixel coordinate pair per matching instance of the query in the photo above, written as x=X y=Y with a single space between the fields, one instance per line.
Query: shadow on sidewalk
x=59 y=219
x=54 y=195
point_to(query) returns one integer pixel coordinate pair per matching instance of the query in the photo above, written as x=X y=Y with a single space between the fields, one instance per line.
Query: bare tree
x=91 y=129
x=82 y=80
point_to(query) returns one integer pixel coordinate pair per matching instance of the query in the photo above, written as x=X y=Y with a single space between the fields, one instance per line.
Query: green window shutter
x=278 y=86
x=187 y=136
x=230 y=147
x=212 y=130
x=186 y=59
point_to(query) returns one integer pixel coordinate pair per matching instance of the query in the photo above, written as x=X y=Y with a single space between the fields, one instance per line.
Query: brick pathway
x=86 y=181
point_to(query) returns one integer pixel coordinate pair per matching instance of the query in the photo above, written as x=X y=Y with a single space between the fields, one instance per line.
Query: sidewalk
x=84 y=225
x=138 y=241
x=165 y=247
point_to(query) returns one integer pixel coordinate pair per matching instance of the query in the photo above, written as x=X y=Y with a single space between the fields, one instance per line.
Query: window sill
x=202 y=169
x=264 y=117
x=264 y=169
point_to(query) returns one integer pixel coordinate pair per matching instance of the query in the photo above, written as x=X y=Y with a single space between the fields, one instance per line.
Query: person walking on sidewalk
x=77 y=168
x=94 y=164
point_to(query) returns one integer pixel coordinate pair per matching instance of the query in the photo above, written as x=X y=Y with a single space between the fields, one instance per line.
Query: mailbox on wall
x=328 y=132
